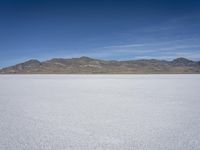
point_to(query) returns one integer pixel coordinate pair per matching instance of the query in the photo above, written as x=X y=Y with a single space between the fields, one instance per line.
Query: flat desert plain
x=99 y=112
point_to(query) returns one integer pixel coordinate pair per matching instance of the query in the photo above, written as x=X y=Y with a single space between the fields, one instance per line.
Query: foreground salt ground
x=98 y=112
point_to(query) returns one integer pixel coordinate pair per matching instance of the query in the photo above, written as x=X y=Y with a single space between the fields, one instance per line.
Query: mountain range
x=87 y=65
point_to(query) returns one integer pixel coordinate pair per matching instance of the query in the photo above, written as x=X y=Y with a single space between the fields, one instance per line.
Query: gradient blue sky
x=137 y=29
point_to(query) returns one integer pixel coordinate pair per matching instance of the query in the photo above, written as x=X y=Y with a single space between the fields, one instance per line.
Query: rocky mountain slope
x=86 y=65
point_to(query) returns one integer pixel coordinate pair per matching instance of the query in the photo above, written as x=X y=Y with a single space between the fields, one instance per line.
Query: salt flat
x=99 y=112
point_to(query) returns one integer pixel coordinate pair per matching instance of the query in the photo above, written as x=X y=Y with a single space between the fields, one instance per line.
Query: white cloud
x=123 y=46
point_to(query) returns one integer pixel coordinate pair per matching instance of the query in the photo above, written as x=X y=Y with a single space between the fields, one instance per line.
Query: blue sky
x=140 y=29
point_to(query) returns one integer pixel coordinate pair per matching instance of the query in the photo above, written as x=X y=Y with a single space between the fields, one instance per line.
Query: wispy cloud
x=160 y=50
x=179 y=47
x=123 y=46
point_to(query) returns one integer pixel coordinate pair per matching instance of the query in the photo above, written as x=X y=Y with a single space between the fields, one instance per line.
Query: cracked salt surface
x=98 y=112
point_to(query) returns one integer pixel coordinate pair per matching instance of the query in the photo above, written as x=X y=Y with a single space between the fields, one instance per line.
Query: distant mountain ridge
x=87 y=65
